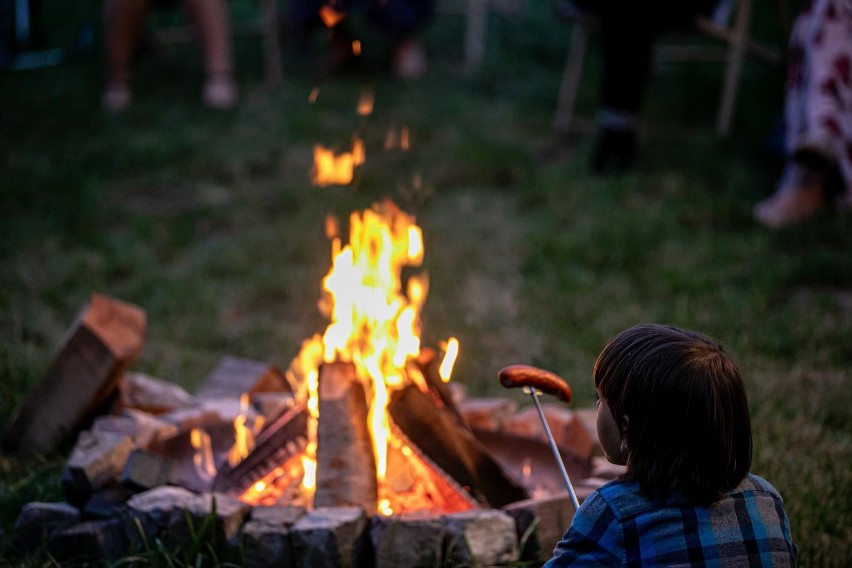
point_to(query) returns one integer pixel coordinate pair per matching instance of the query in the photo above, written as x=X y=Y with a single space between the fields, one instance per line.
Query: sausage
x=526 y=376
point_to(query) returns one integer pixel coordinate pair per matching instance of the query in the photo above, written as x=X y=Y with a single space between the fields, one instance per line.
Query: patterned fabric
x=618 y=526
x=818 y=103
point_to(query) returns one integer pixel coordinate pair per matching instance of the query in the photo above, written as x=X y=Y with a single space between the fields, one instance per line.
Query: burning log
x=103 y=342
x=428 y=364
x=279 y=440
x=454 y=449
x=346 y=466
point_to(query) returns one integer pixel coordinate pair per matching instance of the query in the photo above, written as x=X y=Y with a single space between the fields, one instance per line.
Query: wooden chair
x=264 y=25
x=737 y=46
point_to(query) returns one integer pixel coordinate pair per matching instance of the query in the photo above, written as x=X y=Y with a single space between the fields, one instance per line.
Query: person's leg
x=122 y=22
x=818 y=121
x=213 y=23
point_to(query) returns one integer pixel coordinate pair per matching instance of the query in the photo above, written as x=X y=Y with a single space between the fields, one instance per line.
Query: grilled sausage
x=526 y=376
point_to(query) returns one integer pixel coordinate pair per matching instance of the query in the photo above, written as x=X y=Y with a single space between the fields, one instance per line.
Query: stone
x=96 y=541
x=150 y=513
x=411 y=541
x=212 y=518
x=540 y=523
x=329 y=537
x=98 y=458
x=145 y=470
x=265 y=537
x=107 y=502
x=480 y=537
x=487 y=413
x=569 y=432
x=37 y=521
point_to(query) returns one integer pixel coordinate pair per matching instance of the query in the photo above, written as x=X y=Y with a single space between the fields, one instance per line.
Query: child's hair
x=680 y=401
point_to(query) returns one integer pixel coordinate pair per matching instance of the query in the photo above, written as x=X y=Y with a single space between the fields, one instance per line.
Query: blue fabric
x=618 y=525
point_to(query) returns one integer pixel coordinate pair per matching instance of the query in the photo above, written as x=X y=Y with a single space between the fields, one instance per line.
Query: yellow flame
x=331 y=169
x=450 y=354
x=243 y=437
x=356 y=47
x=312 y=98
x=202 y=458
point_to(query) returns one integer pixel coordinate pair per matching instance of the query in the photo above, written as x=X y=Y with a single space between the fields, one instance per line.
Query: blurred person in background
x=628 y=32
x=817 y=117
x=401 y=21
x=123 y=21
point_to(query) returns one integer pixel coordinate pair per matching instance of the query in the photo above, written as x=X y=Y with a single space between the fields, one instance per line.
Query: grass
x=209 y=222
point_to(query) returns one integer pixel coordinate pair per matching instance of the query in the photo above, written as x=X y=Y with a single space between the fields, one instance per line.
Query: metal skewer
x=535 y=393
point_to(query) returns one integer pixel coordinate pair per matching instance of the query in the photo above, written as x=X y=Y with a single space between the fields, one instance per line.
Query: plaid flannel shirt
x=618 y=526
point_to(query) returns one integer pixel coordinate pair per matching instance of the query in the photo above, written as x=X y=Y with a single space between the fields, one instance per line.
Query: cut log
x=106 y=338
x=438 y=434
x=346 y=466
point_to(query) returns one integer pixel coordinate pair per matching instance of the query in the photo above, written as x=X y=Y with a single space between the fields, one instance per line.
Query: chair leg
x=272 y=59
x=474 y=40
x=571 y=76
x=733 y=67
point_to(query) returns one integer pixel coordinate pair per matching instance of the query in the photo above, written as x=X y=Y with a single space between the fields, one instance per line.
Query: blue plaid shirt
x=618 y=526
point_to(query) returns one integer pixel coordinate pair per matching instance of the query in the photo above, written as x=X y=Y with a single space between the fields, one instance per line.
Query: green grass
x=209 y=222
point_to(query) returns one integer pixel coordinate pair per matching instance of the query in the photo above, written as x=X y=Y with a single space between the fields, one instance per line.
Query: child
x=672 y=408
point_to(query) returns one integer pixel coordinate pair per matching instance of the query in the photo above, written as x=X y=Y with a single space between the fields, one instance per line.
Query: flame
x=243 y=435
x=202 y=459
x=356 y=47
x=330 y=17
x=404 y=141
x=450 y=354
x=312 y=97
x=374 y=323
x=366 y=101
x=330 y=169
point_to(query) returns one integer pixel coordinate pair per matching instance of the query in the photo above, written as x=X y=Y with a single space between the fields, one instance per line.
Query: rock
x=480 y=537
x=329 y=537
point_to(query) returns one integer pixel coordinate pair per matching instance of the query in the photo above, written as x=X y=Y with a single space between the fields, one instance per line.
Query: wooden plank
x=106 y=338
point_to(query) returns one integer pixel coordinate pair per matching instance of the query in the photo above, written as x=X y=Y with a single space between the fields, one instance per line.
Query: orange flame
x=330 y=17
x=366 y=102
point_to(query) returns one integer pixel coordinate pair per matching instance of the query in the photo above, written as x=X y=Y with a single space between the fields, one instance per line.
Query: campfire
x=362 y=452
x=352 y=451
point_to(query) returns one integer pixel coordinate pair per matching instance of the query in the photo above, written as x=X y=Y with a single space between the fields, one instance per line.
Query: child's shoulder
x=624 y=497
x=753 y=482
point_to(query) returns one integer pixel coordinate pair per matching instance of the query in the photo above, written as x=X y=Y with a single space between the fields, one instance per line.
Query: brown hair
x=679 y=399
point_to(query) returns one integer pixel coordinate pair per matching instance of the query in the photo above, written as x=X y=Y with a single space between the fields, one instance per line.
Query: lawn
x=209 y=221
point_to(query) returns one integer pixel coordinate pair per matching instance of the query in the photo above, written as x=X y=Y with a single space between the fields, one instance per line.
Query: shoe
x=615 y=151
x=116 y=98
x=220 y=93
x=799 y=196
